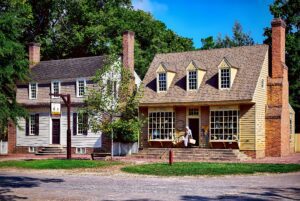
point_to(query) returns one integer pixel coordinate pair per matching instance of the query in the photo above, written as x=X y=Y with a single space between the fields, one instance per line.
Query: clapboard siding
x=260 y=99
x=247 y=127
x=45 y=135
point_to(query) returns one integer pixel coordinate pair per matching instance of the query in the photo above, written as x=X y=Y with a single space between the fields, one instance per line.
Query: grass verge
x=57 y=164
x=197 y=168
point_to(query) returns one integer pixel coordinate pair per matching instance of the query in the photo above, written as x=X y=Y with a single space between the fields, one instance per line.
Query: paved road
x=34 y=186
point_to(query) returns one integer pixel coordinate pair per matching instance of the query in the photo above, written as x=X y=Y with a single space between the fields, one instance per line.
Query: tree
x=82 y=28
x=289 y=12
x=110 y=104
x=15 y=16
x=239 y=38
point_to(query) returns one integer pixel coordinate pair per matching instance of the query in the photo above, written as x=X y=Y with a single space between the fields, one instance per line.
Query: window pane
x=192 y=76
x=161 y=125
x=162 y=82
x=225 y=78
x=32 y=124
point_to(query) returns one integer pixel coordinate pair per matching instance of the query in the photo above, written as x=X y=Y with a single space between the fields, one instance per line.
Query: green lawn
x=57 y=164
x=197 y=168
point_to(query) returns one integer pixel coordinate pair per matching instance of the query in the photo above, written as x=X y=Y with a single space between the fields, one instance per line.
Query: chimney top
x=278 y=22
x=34 y=44
x=129 y=32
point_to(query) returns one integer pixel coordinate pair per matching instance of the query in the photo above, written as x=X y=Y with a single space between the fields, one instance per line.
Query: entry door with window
x=194 y=126
x=55 y=131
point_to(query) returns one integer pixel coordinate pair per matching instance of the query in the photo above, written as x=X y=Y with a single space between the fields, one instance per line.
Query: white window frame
x=220 y=77
x=77 y=87
x=32 y=149
x=188 y=80
x=82 y=133
x=223 y=128
x=52 y=87
x=30 y=90
x=80 y=150
x=30 y=124
x=157 y=124
x=158 y=81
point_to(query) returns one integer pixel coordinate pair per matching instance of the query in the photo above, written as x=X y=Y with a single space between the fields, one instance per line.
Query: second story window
x=225 y=78
x=192 y=80
x=162 y=82
x=55 y=88
x=80 y=85
x=33 y=87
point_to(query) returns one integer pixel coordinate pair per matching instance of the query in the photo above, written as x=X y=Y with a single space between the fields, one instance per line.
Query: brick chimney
x=128 y=51
x=277 y=113
x=278 y=47
x=34 y=54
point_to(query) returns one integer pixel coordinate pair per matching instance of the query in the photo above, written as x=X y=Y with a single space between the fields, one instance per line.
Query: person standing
x=187 y=136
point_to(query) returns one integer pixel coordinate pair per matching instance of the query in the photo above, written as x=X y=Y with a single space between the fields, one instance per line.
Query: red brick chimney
x=278 y=47
x=277 y=114
x=34 y=54
x=128 y=51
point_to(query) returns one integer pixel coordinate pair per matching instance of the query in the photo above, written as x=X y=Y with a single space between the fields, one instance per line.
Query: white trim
x=80 y=148
x=220 y=85
x=52 y=88
x=36 y=87
x=77 y=87
x=188 y=117
x=157 y=82
x=29 y=124
x=32 y=149
x=188 y=80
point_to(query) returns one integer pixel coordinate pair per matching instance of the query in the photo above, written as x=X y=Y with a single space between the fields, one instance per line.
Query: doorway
x=194 y=126
x=55 y=131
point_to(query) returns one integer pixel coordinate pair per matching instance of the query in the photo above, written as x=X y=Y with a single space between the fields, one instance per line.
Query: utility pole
x=67 y=100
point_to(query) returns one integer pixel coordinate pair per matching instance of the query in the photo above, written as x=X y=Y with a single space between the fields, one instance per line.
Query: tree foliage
x=289 y=11
x=15 y=16
x=112 y=104
x=239 y=38
x=94 y=27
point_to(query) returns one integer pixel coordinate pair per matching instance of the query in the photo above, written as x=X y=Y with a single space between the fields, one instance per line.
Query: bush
x=126 y=130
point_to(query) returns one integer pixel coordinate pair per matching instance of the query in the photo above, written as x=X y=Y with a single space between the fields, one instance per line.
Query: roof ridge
x=68 y=59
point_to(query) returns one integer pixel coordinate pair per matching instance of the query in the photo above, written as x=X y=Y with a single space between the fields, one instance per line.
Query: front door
x=55 y=131
x=194 y=126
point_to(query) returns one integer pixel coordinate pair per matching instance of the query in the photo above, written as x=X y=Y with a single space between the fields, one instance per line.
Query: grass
x=213 y=169
x=57 y=164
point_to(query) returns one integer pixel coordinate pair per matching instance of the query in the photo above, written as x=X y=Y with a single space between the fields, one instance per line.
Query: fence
x=297 y=142
x=3 y=147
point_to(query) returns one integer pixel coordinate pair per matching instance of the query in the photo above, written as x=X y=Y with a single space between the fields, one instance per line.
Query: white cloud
x=149 y=6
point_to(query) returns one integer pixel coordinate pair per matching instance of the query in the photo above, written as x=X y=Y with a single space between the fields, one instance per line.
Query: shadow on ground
x=266 y=194
x=7 y=183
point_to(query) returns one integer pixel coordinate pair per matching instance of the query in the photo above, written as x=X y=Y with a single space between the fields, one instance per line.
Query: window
x=32 y=149
x=193 y=112
x=112 y=88
x=263 y=83
x=162 y=82
x=80 y=88
x=33 y=90
x=225 y=78
x=192 y=80
x=55 y=88
x=224 y=125
x=161 y=125
x=80 y=150
x=32 y=126
x=82 y=124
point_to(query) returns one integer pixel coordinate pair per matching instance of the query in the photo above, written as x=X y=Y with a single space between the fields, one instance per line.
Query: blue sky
x=198 y=19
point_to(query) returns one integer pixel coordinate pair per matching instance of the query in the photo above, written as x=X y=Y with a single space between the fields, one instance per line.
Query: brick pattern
x=143 y=111
x=11 y=137
x=128 y=51
x=34 y=54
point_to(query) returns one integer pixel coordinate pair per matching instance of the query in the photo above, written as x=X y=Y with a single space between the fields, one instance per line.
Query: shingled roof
x=65 y=69
x=248 y=59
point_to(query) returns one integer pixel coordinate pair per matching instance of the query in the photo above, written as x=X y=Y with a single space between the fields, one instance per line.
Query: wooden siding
x=45 y=136
x=247 y=127
x=260 y=99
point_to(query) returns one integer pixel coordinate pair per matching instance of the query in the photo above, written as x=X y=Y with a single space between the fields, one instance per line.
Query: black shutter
x=27 y=126
x=85 y=123
x=74 y=123
x=37 y=123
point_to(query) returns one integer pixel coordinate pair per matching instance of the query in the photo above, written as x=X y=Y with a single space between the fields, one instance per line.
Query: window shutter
x=74 y=123
x=27 y=126
x=85 y=123
x=37 y=122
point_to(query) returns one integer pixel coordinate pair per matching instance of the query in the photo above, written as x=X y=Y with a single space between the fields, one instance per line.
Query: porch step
x=192 y=154
x=52 y=150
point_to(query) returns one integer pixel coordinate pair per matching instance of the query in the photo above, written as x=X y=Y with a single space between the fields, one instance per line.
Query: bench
x=100 y=155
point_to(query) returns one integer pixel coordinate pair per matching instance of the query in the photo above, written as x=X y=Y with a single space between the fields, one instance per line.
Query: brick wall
x=11 y=137
x=143 y=111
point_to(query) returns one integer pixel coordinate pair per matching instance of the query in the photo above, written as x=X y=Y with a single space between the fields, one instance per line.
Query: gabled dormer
x=194 y=76
x=164 y=78
x=226 y=75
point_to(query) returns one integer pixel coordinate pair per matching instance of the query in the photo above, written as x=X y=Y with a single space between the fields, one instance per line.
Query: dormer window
x=192 y=80
x=33 y=88
x=225 y=78
x=162 y=82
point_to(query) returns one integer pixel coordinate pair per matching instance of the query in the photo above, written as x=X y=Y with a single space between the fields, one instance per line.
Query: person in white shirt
x=187 y=136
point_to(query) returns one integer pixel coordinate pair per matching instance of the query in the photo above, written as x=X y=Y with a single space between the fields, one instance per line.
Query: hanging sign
x=55 y=109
